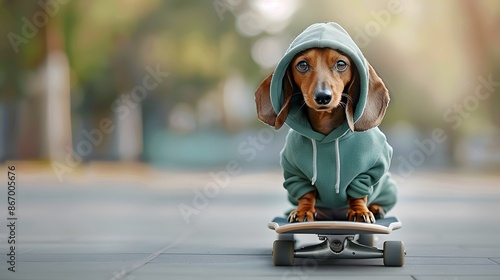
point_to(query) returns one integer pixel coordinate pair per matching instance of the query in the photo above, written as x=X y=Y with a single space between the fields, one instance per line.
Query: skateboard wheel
x=283 y=252
x=394 y=253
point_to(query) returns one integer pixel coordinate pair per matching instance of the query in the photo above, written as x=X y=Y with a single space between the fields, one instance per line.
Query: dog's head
x=322 y=76
x=326 y=79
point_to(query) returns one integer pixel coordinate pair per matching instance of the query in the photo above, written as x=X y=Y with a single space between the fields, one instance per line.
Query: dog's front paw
x=302 y=214
x=358 y=212
x=361 y=215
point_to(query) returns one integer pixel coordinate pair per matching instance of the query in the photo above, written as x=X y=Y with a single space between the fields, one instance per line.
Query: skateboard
x=341 y=240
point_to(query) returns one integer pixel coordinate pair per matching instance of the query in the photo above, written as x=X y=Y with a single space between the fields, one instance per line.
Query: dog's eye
x=341 y=66
x=302 y=66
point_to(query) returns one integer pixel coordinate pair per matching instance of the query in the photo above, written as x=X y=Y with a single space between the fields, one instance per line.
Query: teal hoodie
x=343 y=163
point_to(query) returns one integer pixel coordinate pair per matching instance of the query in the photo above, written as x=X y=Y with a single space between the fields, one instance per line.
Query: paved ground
x=125 y=222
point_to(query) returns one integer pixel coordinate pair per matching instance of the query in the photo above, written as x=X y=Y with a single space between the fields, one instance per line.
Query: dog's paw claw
x=301 y=216
x=360 y=216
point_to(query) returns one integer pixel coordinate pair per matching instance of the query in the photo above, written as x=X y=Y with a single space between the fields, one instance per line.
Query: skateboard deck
x=382 y=226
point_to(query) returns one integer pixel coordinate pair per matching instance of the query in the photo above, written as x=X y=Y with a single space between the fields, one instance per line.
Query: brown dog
x=322 y=76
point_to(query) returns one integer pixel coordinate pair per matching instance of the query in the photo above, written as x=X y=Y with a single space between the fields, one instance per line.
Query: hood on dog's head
x=369 y=87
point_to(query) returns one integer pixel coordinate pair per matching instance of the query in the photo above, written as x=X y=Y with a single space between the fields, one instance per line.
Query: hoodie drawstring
x=337 y=155
x=315 y=168
x=337 y=161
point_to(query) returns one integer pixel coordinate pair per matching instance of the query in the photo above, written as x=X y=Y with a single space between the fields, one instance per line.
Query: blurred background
x=170 y=83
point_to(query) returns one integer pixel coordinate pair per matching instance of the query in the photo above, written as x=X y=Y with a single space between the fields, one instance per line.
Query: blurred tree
x=482 y=48
x=22 y=53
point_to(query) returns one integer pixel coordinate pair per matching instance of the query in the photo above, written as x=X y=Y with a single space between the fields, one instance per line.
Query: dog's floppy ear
x=265 y=110
x=352 y=100
x=377 y=101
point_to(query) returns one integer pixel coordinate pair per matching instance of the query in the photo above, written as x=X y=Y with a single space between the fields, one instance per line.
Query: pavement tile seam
x=456 y=277
x=224 y=258
x=449 y=261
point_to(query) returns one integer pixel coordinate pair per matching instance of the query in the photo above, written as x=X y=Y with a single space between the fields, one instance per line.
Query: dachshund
x=322 y=75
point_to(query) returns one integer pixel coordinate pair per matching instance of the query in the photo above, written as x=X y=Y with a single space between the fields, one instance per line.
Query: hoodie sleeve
x=363 y=184
x=296 y=182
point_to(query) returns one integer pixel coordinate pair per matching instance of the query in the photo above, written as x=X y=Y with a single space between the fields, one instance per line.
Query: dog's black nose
x=322 y=97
